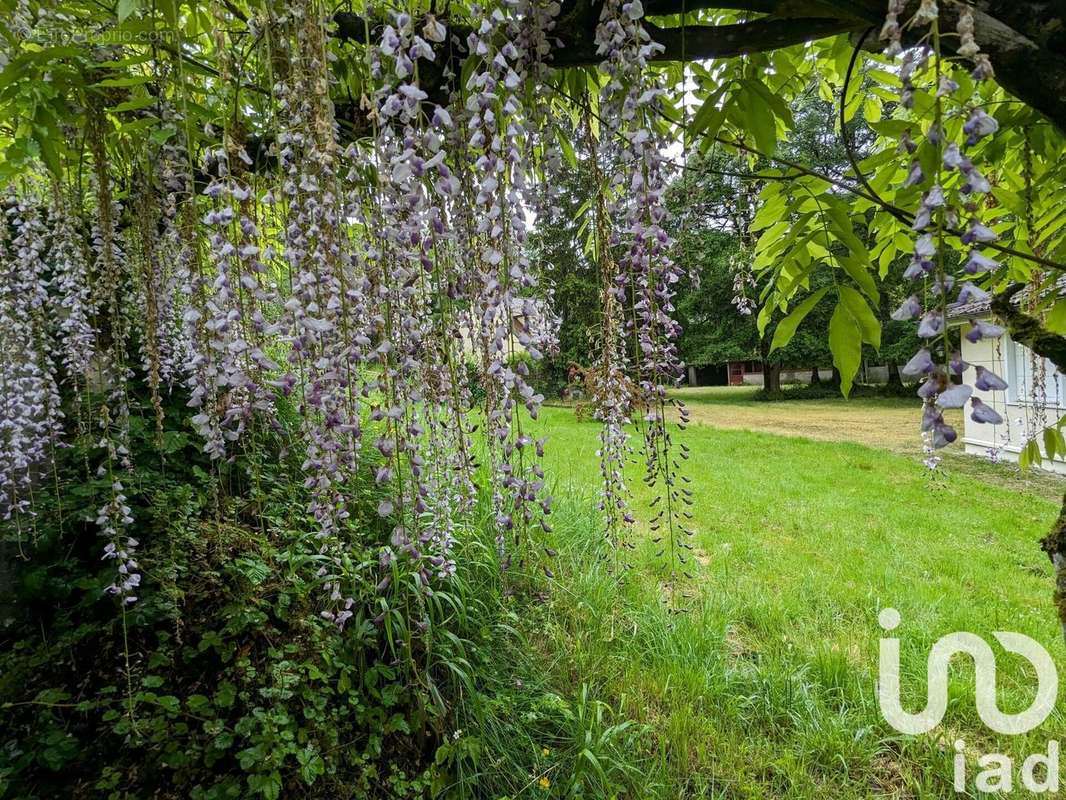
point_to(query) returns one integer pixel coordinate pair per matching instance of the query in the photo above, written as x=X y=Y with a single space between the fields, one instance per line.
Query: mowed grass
x=880 y=422
x=885 y=423
x=756 y=678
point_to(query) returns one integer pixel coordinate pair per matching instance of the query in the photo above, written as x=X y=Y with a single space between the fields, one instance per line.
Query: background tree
x=714 y=200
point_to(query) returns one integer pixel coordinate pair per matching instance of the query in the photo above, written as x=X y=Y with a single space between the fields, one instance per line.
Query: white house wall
x=1009 y=437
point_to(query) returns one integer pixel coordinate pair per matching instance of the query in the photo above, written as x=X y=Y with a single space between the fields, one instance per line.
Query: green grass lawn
x=882 y=422
x=756 y=679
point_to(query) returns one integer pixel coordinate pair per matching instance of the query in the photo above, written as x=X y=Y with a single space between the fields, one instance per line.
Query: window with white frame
x=1023 y=375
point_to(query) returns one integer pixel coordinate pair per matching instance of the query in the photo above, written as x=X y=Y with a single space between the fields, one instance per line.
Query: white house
x=1035 y=396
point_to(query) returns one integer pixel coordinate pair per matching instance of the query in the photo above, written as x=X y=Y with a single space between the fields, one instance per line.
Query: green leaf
x=568 y=150
x=845 y=343
x=1012 y=201
x=887 y=256
x=225 y=695
x=766 y=313
x=892 y=128
x=1030 y=454
x=142 y=124
x=125 y=8
x=134 y=105
x=863 y=315
x=311 y=764
x=840 y=222
x=860 y=273
x=198 y=704
x=887 y=78
x=1050 y=442
x=709 y=116
x=267 y=786
x=773 y=101
x=47 y=139
x=163 y=134
x=787 y=327
x=762 y=125
x=1056 y=318
x=135 y=80
x=170 y=703
x=771 y=210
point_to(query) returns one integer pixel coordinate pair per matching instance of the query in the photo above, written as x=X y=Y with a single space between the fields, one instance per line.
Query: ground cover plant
x=281 y=513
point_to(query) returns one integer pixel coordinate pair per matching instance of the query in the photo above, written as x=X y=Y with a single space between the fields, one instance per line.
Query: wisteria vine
x=385 y=285
x=951 y=193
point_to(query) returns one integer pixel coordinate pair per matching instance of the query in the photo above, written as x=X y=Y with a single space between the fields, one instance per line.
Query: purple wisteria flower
x=915 y=176
x=978 y=232
x=943 y=434
x=909 y=309
x=978 y=126
x=988 y=381
x=980 y=329
x=921 y=363
x=979 y=263
x=972 y=294
x=113 y=518
x=982 y=412
x=955 y=396
x=931 y=325
x=957 y=365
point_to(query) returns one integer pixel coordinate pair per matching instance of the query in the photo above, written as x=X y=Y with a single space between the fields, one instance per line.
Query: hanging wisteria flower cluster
x=612 y=389
x=743 y=282
x=425 y=444
x=647 y=277
x=112 y=286
x=357 y=285
x=31 y=419
x=76 y=339
x=321 y=314
x=227 y=371
x=505 y=316
x=951 y=196
x=171 y=265
x=113 y=519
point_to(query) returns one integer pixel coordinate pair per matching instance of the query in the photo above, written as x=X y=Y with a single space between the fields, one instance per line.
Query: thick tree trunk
x=771 y=377
x=894 y=378
x=1030 y=331
x=815 y=377
x=1054 y=544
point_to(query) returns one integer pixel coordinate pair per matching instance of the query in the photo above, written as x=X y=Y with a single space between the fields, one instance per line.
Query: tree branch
x=1024 y=44
x=694 y=42
x=778 y=8
x=1031 y=332
x=1033 y=73
x=700 y=41
x=1027 y=329
x=661 y=8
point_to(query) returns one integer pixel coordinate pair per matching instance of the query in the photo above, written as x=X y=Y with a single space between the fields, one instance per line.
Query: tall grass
x=762 y=685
